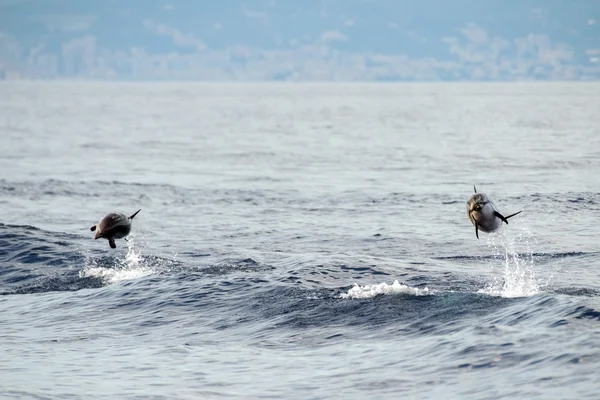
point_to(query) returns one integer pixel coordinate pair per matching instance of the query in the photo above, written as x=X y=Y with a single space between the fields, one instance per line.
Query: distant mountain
x=346 y=40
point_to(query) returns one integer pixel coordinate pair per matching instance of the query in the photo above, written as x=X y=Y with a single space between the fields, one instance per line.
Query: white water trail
x=518 y=277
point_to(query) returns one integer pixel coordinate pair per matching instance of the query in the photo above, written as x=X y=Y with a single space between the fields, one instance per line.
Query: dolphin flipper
x=112 y=243
x=497 y=214
x=135 y=213
x=512 y=215
x=93 y=228
x=505 y=219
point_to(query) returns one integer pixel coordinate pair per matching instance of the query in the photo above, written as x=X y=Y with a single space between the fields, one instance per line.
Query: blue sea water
x=305 y=241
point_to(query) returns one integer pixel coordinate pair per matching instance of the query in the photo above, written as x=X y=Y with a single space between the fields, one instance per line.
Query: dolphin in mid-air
x=113 y=226
x=483 y=213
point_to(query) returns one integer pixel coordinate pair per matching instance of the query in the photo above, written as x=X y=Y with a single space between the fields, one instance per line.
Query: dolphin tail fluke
x=93 y=228
x=135 y=213
x=505 y=219
x=112 y=243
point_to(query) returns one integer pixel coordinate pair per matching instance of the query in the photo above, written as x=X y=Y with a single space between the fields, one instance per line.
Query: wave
x=254 y=295
x=34 y=260
x=369 y=291
x=559 y=255
x=587 y=313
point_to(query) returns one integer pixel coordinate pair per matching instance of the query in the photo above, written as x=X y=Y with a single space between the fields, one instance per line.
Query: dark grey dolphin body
x=483 y=213
x=113 y=226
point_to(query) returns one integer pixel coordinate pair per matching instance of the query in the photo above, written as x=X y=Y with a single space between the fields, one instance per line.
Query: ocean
x=299 y=241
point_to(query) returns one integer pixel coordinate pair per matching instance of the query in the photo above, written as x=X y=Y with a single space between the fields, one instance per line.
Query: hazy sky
x=349 y=40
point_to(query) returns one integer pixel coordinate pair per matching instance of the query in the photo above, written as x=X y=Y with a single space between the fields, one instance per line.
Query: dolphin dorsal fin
x=135 y=213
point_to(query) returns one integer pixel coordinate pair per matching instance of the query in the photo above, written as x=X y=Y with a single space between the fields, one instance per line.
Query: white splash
x=369 y=291
x=130 y=267
x=112 y=275
x=518 y=279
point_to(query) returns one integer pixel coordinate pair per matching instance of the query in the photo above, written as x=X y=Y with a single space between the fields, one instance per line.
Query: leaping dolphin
x=113 y=226
x=483 y=213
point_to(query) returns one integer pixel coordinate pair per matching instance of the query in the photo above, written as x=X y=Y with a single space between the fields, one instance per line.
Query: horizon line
x=295 y=82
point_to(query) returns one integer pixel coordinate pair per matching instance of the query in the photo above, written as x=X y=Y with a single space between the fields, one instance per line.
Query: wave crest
x=369 y=291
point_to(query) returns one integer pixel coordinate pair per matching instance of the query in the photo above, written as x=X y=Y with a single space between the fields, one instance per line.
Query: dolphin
x=483 y=213
x=113 y=226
